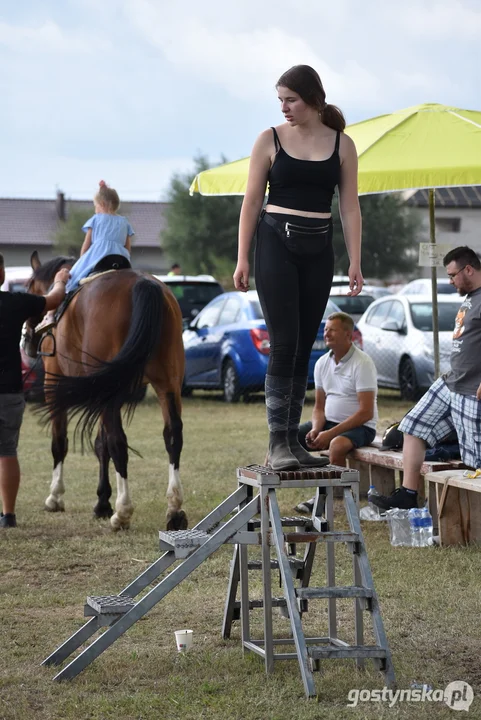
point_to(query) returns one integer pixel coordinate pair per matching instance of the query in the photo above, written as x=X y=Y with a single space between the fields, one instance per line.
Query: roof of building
x=469 y=196
x=34 y=222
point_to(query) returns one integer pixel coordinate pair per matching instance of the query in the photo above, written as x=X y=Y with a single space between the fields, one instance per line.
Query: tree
x=201 y=232
x=389 y=237
x=69 y=237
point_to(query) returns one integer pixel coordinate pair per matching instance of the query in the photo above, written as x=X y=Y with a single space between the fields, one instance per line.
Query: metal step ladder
x=236 y=521
x=309 y=651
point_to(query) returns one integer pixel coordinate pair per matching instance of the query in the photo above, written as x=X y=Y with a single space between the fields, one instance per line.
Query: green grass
x=429 y=597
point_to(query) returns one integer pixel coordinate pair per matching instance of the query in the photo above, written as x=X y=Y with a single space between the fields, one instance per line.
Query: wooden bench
x=455 y=504
x=379 y=467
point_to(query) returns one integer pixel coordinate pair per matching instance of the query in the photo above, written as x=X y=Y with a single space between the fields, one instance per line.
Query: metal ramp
x=255 y=496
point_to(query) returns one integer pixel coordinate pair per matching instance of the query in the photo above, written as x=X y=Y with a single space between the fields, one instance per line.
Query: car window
x=193 y=296
x=446 y=289
x=397 y=313
x=210 y=315
x=378 y=314
x=422 y=316
x=230 y=312
x=356 y=305
x=257 y=310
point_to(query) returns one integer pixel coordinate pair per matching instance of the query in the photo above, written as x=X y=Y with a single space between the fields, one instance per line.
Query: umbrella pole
x=434 y=286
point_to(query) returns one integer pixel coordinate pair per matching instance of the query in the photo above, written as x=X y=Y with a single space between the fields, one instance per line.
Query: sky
x=129 y=91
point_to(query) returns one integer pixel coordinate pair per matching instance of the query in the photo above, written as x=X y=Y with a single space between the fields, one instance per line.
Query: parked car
x=355 y=306
x=16 y=279
x=397 y=333
x=227 y=346
x=422 y=286
x=193 y=292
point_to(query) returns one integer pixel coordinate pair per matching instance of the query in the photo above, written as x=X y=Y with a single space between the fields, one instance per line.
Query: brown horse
x=122 y=330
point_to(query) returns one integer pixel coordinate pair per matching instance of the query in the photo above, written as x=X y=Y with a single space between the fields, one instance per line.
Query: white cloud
x=245 y=63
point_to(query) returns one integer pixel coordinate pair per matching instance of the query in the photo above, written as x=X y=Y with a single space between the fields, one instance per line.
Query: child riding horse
x=122 y=330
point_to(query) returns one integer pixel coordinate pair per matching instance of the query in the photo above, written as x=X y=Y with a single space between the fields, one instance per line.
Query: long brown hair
x=305 y=81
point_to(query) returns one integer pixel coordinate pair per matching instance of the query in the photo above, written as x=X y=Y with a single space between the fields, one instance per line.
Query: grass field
x=429 y=597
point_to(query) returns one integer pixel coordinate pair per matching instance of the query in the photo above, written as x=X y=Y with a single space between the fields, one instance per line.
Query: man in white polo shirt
x=345 y=410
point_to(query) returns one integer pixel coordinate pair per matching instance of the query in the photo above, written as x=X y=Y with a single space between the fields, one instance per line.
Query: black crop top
x=303 y=184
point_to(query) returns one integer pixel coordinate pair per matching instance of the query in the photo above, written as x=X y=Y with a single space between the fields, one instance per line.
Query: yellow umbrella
x=424 y=146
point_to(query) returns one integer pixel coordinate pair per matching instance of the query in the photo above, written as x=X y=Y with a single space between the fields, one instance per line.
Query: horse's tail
x=115 y=383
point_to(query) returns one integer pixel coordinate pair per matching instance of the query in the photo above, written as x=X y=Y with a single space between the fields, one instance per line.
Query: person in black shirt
x=15 y=308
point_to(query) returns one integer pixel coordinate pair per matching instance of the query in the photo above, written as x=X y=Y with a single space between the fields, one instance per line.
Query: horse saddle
x=110 y=263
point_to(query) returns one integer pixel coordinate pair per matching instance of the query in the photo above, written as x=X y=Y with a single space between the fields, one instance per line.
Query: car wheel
x=408 y=381
x=230 y=383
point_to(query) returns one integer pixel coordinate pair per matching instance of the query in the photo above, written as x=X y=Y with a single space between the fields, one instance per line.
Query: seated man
x=454 y=400
x=345 y=410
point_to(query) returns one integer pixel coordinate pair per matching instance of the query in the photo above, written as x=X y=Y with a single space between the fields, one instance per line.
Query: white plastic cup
x=183 y=638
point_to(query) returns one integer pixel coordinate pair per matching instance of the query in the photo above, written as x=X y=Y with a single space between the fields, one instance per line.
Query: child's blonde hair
x=107 y=197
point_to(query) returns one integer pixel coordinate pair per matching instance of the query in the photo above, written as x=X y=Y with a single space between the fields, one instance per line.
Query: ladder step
x=295 y=563
x=318 y=652
x=110 y=604
x=287 y=522
x=182 y=542
x=255 y=604
x=331 y=536
x=338 y=591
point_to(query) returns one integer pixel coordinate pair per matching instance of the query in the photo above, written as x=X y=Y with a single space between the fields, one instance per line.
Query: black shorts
x=12 y=406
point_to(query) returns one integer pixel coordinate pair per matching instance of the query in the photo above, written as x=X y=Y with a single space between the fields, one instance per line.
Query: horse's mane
x=48 y=270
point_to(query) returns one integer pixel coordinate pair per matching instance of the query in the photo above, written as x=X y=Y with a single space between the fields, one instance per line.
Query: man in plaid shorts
x=454 y=400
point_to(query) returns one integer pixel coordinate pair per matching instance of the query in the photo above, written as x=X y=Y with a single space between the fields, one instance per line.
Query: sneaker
x=8 y=520
x=400 y=498
x=306 y=507
x=46 y=324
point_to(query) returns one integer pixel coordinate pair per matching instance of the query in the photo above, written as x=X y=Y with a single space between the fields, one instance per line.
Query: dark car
x=193 y=292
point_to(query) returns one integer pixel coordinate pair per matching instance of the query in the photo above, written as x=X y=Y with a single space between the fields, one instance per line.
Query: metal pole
x=434 y=286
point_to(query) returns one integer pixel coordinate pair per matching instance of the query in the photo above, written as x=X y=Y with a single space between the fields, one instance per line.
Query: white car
x=422 y=286
x=16 y=278
x=397 y=333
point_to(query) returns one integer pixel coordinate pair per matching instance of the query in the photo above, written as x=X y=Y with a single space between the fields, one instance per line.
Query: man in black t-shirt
x=15 y=309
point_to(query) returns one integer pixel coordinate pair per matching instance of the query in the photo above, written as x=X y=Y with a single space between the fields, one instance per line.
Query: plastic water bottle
x=415 y=525
x=426 y=523
x=374 y=510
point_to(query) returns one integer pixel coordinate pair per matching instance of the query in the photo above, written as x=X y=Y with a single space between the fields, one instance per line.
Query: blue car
x=227 y=346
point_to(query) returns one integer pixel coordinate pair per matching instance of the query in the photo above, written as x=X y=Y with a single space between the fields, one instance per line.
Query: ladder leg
x=267 y=582
x=290 y=595
x=74 y=642
x=234 y=578
x=331 y=565
x=367 y=581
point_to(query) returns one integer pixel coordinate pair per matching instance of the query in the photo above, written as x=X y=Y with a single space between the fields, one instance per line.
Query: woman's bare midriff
x=300 y=213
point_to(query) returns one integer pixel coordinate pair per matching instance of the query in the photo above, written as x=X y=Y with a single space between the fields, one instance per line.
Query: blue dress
x=109 y=235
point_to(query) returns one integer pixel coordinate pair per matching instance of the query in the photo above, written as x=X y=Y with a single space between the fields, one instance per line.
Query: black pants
x=293 y=292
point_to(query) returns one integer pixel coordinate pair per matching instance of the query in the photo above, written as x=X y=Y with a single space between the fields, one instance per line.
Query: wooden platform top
x=325 y=472
x=456 y=479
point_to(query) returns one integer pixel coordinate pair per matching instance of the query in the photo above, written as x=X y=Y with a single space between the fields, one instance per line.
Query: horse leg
x=55 y=501
x=173 y=439
x=118 y=450
x=103 y=508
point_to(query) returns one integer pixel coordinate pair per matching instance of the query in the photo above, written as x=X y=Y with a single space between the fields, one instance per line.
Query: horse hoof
x=177 y=521
x=52 y=505
x=103 y=514
x=118 y=523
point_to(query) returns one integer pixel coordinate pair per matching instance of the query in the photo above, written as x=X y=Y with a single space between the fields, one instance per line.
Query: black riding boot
x=278 y=398
x=298 y=394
